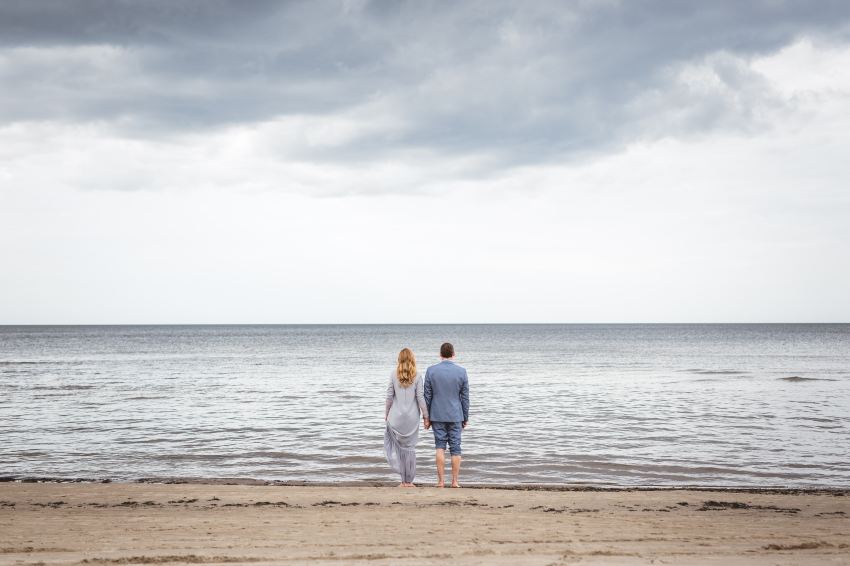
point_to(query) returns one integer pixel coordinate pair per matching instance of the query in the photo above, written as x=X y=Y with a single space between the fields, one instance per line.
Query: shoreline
x=73 y=523
x=779 y=490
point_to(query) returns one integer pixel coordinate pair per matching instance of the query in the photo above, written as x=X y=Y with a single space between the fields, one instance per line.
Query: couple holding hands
x=441 y=398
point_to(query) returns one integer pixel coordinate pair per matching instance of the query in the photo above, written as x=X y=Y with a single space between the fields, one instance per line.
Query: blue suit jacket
x=447 y=392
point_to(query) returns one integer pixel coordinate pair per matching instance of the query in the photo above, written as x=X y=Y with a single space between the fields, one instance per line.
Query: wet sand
x=147 y=523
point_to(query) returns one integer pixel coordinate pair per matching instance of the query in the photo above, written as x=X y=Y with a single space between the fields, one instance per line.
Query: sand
x=146 y=523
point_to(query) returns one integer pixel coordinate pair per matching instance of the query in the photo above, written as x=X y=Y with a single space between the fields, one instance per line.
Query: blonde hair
x=406 y=369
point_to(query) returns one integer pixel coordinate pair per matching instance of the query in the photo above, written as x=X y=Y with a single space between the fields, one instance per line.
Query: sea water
x=740 y=405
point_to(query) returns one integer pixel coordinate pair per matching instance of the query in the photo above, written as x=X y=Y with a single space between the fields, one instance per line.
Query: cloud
x=493 y=85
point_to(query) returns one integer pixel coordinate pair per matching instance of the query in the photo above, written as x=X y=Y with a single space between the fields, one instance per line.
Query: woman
x=405 y=401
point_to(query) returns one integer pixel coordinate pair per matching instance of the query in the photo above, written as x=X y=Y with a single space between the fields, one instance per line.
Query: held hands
x=427 y=422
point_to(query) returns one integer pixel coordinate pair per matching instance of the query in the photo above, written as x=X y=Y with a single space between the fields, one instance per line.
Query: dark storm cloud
x=520 y=83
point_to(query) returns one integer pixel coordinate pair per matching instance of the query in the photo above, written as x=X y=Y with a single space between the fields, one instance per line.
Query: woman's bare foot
x=439 y=484
x=455 y=485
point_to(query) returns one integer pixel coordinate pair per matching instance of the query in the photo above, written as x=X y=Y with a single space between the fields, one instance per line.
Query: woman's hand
x=426 y=422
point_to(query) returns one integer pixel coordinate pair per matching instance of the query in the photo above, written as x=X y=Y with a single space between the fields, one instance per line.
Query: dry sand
x=103 y=524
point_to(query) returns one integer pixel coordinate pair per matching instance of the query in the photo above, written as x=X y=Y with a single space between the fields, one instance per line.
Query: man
x=447 y=397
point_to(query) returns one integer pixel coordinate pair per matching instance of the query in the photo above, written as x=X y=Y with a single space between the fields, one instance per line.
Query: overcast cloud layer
x=601 y=161
x=508 y=83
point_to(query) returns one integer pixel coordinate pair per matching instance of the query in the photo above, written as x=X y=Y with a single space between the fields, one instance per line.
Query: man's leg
x=454 y=446
x=441 y=465
x=455 y=470
x=440 y=439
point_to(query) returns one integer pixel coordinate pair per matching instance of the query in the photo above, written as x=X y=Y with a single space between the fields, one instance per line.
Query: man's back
x=447 y=392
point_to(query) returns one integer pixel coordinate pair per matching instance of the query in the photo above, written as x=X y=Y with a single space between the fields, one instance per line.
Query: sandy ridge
x=204 y=523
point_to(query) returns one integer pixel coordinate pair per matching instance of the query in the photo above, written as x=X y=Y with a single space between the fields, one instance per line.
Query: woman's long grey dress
x=404 y=407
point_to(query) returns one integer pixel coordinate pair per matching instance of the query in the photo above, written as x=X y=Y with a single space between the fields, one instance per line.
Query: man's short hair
x=447 y=350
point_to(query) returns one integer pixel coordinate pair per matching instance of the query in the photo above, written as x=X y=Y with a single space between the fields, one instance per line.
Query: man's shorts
x=447 y=432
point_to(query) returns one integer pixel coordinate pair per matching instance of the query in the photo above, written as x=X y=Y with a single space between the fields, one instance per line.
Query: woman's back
x=407 y=403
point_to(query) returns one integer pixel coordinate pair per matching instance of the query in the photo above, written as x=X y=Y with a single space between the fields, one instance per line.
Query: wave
x=60 y=387
x=718 y=371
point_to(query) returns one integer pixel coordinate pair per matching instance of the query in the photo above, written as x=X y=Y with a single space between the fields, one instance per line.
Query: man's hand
x=463 y=424
x=426 y=422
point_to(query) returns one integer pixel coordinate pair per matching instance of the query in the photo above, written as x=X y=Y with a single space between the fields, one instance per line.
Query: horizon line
x=414 y=323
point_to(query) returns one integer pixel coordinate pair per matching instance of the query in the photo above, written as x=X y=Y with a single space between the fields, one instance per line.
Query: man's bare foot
x=439 y=484
x=455 y=485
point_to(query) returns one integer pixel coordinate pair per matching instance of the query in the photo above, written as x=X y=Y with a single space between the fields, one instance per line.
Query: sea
x=738 y=405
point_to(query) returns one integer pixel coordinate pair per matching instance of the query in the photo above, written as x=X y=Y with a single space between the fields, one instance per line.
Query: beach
x=220 y=522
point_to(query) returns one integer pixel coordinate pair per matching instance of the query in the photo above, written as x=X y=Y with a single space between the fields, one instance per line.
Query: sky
x=210 y=161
